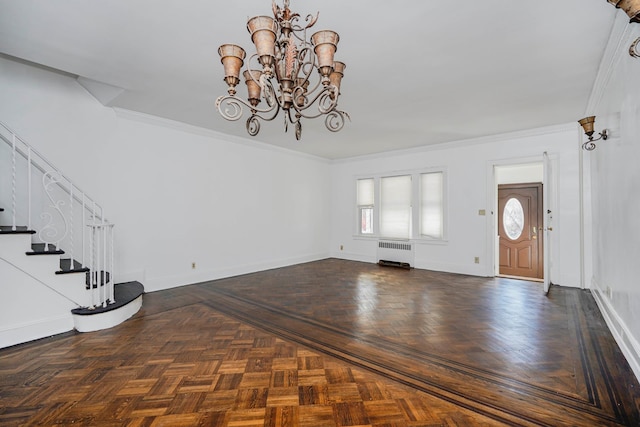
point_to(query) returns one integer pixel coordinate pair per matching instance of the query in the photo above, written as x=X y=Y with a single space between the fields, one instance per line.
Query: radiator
x=402 y=252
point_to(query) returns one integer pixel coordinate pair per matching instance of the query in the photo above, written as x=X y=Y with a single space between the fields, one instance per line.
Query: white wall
x=471 y=188
x=615 y=180
x=177 y=194
x=29 y=310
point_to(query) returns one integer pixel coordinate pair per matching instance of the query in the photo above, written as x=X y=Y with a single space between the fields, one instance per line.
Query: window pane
x=395 y=206
x=365 y=192
x=431 y=205
x=365 y=202
x=366 y=221
x=513 y=218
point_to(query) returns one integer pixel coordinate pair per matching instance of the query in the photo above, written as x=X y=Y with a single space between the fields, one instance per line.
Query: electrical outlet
x=477 y=260
x=193 y=265
x=341 y=247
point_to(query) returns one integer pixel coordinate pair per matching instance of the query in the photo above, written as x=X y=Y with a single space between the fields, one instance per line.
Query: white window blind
x=395 y=206
x=365 y=192
x=431 y=205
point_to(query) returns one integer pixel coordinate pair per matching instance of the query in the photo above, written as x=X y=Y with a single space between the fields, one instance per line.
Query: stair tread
x=7 y=229
x=124 y=293
x=38 y=249
x=66 y=267
x=104 y=276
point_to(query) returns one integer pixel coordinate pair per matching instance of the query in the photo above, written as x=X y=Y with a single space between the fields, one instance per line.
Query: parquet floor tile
x=332 y=343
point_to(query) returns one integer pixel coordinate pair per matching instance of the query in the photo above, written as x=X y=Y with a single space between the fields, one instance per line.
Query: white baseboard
x=130 y=276
x=41 y=328
x=354 y=257
x=455 y=268
x=620 y=331
x=152 y=284
x=472 y=270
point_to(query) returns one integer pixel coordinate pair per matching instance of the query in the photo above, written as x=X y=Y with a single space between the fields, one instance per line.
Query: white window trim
x=415 y=213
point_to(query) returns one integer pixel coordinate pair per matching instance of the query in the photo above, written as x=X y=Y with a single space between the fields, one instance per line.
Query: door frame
x=550 y=194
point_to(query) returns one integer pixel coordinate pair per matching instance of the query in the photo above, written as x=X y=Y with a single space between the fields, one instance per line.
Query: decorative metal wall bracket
x=587 y=125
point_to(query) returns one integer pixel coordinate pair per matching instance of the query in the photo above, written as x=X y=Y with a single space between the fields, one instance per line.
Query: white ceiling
x=418 y=71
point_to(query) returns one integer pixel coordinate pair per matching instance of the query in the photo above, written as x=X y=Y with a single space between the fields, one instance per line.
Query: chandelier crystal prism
x=289 y=72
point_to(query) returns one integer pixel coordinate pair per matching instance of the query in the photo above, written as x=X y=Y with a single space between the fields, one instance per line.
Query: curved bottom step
x=128 y=301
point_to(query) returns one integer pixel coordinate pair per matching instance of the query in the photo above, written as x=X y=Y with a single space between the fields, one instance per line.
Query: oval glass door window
x=513 y=218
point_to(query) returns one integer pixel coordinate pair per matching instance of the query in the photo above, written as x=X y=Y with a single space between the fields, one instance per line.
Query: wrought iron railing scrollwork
x=36 y=194
x=52 y=232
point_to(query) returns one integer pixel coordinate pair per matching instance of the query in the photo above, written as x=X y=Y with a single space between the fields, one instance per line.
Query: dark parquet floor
x=333 y=343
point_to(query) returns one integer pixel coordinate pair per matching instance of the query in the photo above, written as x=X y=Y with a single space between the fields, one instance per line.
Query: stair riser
x=108 y=319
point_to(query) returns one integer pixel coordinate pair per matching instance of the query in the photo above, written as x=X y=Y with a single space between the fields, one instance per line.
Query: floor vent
x=395 y=253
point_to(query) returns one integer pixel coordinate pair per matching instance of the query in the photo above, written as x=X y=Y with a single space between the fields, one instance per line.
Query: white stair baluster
x=29 y=185
x=13 y=181
x=84 y=221
x=104 y=262
x=71 y=224
x=112 y=267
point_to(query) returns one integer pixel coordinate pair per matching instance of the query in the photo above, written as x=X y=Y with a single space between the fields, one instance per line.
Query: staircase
x=57 y=260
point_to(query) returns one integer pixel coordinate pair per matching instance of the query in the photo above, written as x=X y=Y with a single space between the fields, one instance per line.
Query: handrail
x=44 y=160
x=43 y=170
x=59 y=227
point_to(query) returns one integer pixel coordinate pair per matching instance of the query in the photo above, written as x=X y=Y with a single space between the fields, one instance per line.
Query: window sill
x=417 y=240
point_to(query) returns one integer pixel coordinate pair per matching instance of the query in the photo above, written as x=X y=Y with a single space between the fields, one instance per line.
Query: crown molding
x=103 y=92
x=209 y=133
x=546 y=130
x=617 y=48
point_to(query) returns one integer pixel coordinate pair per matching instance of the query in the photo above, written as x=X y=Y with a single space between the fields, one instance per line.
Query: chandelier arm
x=335 y=120
x=310 y=22
x=253 y=125
x=324 y=95
x=329 y=100
x=252 y=59
x=234 y=102
x=275 y=109
x=233 y=109
x=305 y=70
x=315 y=116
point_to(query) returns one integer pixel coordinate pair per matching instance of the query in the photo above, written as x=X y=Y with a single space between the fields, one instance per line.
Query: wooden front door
x=519 y=223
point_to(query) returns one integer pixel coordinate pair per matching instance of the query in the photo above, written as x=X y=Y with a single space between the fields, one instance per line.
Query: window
x=431 y=205
x=395 y=206
x=365 y=195
x=410 y=205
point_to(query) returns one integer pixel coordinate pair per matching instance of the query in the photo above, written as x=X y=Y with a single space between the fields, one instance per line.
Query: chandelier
x=288 y=71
